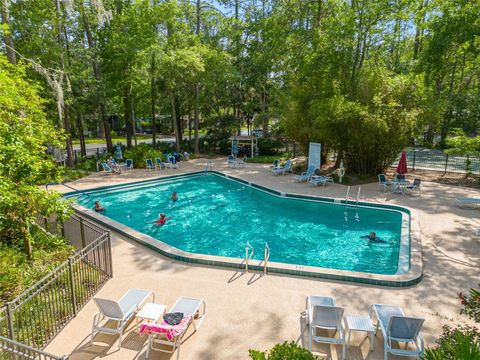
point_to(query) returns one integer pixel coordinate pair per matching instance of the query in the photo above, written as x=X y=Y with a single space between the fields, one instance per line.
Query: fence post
x=109 y=243
x=446 y=164
x=10 y=321
x=414 y=158
x=82 y=232
x=98 y=154
x=72 y=286
x=294 y=149
x=76 y=156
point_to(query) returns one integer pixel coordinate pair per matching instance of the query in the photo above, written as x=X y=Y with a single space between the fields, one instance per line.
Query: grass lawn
x=122 y=139
x=268 y=159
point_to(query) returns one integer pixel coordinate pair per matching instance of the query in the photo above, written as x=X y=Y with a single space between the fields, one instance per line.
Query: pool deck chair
x=415 y=186
x=149 y=164
x=159 y=164
x=306 y=175
x=322 y=314
x=120 y=311
x=106 y=168
x=383 y=181
x=172 y=162
x=397 y=328
x=193 y=311
x=231 y=162
x=320 y=180
x=283 y=169
x=129 y=164
x=276 y=164
x=462 y=201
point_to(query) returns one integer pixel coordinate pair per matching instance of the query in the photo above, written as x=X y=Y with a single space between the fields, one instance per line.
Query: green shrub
x=267 y=146
x=17 y=272
x=285 y=351
x=471 y=304
x=268 y=159
x=461 y=343
x=140 y=153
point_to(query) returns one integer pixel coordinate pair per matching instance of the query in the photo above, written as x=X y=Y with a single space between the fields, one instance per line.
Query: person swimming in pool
x=174 y=197
x=98 y=207
x=162 y=220
x=373 y=237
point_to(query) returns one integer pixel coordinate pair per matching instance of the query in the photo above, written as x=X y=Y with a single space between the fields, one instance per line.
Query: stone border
x=411 y=277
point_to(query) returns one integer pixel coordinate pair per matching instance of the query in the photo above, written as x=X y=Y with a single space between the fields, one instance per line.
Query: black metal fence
x=38 y=314
x=428 y=159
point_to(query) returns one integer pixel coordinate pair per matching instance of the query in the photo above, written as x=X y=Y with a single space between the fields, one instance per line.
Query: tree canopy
x=362 y=77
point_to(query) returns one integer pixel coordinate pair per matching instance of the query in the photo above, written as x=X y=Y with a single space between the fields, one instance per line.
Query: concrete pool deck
x=250 y=311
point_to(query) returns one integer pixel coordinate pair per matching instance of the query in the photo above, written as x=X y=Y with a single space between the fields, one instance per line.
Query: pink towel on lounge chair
x=170 y=331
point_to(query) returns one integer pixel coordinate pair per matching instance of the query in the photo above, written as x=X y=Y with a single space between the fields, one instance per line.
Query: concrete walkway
x=250 y=311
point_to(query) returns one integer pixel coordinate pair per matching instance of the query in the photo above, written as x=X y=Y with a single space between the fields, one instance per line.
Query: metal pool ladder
x=207 y=166
x=266 y=257
x=248 y=254
x=358 y=196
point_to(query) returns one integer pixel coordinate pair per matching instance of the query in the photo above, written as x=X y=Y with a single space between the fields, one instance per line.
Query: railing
x=437 y=160
x=12 y=350
x=248 y=256
x=207 y=166
x=266 y=257
x=67 y=186
x=39 y=313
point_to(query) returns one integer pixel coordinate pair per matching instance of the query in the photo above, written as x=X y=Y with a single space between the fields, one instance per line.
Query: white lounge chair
x=323 y=314
x=383 y=181
x=306 y=175
x=120 y=311
x=317 y=180
x=189 y=307
x=283 y=169
x=467 y=201
x=396 y=327
x=415 y=186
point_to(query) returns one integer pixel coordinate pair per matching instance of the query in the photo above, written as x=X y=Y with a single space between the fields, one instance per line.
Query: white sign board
x=314 y=155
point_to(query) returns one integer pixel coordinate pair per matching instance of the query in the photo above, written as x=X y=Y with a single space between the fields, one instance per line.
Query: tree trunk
x=81 y=137
x=7 y=37
x=153 y=96
x=104 y=125
x=175 y=122
x=69 y=144
x=196 y=119
x=127 y=114
x=27 y=241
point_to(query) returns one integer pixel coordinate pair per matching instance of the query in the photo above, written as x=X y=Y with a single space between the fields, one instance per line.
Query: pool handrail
x=266 y=257
x=248 y=247
x=83 y=193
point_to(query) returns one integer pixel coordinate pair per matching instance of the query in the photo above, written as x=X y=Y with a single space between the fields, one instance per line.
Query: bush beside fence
x=42 y=311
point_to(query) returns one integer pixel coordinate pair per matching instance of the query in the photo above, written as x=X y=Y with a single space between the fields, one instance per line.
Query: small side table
x=360 y=323
x=150 y=312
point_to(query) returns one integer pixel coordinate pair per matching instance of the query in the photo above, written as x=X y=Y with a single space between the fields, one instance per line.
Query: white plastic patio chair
x=396 y=327
x=417 y=183
x=383 y=181
x=120 y=311
x=322 y=314
x=192 y=307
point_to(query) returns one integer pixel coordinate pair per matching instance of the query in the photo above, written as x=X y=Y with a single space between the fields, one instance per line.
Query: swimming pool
x=217 y=216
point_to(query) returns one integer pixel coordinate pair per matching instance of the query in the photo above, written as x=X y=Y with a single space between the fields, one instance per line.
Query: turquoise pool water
x=217 y=216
